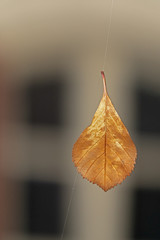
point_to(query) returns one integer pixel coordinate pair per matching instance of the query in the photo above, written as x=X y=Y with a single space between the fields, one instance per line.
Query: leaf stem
x=104 y=82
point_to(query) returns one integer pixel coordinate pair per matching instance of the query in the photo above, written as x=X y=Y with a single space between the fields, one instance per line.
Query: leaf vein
x=121 y=135
x=93 y=163
x=89 y=149
x=119 y=158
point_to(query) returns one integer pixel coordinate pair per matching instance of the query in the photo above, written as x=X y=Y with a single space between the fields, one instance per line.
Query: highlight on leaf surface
x=104 y=153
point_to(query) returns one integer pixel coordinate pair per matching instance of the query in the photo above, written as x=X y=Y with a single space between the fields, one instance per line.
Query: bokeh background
x=51 y=54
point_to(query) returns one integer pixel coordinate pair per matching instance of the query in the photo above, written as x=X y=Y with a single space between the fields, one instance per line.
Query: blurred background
x=51 y=55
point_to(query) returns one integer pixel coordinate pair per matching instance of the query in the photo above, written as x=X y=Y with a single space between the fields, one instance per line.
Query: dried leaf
x=104 y=153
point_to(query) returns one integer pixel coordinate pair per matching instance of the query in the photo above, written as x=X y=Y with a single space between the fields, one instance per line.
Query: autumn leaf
x=104 y=153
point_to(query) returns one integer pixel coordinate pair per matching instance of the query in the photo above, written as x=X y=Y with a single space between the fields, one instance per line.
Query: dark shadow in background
x=148 y=110
x=146 y=201
x=146 y=214
x=45 y=100
x=44 y=208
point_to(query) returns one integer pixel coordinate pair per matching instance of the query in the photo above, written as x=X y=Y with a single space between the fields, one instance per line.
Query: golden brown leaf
x=104 y=153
